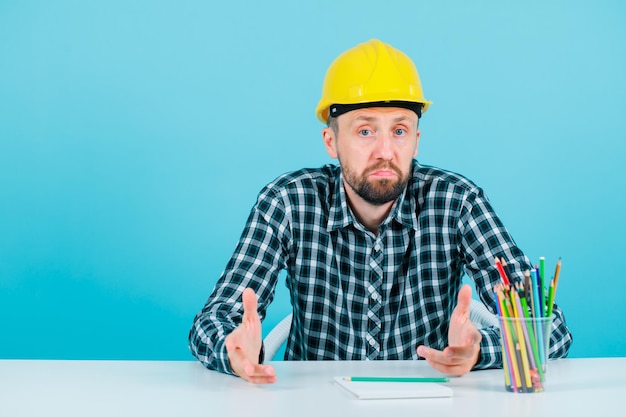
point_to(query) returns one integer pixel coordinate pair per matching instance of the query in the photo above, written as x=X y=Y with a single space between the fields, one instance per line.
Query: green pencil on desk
x=393 y=379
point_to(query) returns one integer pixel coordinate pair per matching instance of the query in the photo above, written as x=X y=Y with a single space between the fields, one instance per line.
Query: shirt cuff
x=221 y=356
x=490 y=355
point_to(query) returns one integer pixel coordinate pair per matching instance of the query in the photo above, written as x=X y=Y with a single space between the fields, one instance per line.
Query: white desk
x=576 y=387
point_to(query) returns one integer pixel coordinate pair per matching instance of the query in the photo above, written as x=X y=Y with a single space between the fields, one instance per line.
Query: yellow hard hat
x=371 y=72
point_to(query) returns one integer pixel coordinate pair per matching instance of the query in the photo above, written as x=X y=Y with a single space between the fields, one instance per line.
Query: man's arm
x=255 y=264
x=483 y=238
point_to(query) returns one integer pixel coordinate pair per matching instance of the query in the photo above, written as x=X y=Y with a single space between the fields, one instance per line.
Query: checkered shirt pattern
x=357 y=295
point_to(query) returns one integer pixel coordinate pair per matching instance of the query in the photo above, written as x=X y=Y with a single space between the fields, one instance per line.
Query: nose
x=384 y=147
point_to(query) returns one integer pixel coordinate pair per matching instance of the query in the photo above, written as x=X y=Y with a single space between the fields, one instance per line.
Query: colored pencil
x=535 y=290
x=551 y=298
x=500 y=309
x=541 y=278
x=509 y=377
x=393 y=379
x=505 y=279
x=525 y=336
x=532 y=339
x=513 y=345
x=537 y=314
x=557 y=272
x=521 y=340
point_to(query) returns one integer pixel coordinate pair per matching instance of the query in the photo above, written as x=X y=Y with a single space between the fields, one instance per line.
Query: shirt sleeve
x=483 y=237
x=255 y=263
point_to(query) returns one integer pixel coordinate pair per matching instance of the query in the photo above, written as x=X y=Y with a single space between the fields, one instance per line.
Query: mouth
x=383 y=174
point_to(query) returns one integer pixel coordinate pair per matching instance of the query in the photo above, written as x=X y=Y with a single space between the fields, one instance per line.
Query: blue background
x=135 y=136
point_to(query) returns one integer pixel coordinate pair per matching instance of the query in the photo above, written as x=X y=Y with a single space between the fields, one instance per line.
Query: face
x=375 y=147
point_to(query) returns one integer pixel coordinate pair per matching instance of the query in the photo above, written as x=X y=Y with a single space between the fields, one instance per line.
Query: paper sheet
x=391 y=390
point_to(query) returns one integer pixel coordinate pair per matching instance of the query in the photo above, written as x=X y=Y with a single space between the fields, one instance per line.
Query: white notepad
x=394 y=390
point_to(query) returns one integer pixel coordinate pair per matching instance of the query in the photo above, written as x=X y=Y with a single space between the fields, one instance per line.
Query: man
x=374 y=249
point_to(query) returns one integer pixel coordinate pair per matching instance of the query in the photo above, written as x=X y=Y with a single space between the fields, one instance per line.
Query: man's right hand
x=244 y=344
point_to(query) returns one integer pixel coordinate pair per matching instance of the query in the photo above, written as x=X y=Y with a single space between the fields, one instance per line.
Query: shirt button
x=372 y=342
x=374 y=296
x=377 y=247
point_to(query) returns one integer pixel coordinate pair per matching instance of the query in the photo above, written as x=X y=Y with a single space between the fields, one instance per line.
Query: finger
x=435 y=358
x=259 y=378
x=442 y=362
x=460 y=322
x=464 y=299
x=445 y=357
x=248 y=297
x=450 y=356
x=258 y=370
x=266 y=370
x=260 y=374
x=263 y=376
x=262 y=379
x=455 y=354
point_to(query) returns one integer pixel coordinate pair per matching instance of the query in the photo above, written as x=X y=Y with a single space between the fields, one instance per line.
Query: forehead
x=380 y=114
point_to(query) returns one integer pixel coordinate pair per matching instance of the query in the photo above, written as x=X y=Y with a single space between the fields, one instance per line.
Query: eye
x=399 y=131
x=365 y=132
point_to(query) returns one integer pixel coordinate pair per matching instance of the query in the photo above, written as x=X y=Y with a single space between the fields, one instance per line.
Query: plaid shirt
x=357 y=295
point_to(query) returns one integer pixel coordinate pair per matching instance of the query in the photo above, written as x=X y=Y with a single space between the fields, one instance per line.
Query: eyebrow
x=373 y=119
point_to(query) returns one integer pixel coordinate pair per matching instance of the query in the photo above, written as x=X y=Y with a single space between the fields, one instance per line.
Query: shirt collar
x=407 y=207
x=404 y=211
x=339 y=214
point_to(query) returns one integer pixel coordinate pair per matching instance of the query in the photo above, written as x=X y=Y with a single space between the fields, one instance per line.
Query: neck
x=369 y=215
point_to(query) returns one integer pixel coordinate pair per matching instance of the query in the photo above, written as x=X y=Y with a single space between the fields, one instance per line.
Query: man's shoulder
x=305 y=179
x=426 y=175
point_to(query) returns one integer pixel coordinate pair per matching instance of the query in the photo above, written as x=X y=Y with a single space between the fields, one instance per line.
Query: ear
x=417 y=142
x=328 y=135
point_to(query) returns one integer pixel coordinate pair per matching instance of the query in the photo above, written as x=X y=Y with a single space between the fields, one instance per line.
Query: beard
x=376 y=192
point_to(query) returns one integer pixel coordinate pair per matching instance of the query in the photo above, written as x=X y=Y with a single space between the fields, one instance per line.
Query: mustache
x=383 y=165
